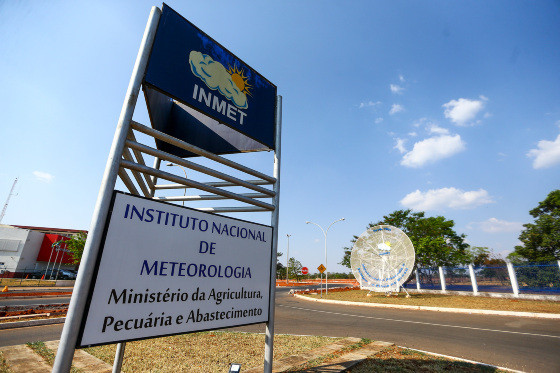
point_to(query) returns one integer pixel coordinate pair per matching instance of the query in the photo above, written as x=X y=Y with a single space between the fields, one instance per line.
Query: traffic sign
x=304 y=270
x=321 y=268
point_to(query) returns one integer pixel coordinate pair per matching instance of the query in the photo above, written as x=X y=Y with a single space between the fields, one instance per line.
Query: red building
x=26 y=249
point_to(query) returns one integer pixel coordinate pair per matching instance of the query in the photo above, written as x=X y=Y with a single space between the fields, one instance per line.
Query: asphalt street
x=514 y=342
x=34 y=301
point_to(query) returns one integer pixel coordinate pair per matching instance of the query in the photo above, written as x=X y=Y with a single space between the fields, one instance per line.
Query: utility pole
x=8 y=200
x=288 y=259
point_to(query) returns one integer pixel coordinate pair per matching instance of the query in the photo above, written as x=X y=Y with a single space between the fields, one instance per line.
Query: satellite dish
x=382 y=258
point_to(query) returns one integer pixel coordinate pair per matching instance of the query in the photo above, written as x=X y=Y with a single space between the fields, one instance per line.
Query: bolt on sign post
x=152 y=267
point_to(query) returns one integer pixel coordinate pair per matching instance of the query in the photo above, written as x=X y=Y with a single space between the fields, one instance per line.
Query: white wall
x=28 y=259
x=10 y=255
x=21 y=249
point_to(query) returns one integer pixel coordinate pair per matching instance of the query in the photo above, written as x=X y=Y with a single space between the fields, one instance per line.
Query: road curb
x=34 y=296
x=437 y=309
x=23 y=324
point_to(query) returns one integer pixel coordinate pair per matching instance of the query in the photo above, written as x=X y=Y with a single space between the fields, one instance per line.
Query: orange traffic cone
x=26 y=277
x=5 y=290
x=43 y=277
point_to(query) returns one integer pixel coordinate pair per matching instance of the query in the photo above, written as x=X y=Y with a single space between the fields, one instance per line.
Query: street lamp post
x=325 y=234
x=182 y=168
x=288 y=260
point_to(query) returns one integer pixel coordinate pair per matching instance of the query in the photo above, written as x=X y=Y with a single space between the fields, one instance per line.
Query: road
x=34 y=301
x=517 y=343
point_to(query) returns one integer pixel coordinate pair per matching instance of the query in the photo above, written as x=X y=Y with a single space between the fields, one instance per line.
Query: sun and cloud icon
x=231 y=82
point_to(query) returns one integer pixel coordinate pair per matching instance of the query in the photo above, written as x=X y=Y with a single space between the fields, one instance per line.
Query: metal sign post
x=269 y=335
x=253 y=125
x=68 y=338
x=321 y=269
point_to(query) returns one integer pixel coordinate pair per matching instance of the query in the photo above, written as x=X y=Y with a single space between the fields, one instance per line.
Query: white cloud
x=433 y=149
x=396 y=108
x=43 y=176
x=463 y=111
x=378 y=120
x=435 y=199
x=401 y=78
x=420 y=122
x=215 y=75
x=434 y=128
x=547 y=154
x=369 y=104
x=494 y=225
x=412 y=134
x=400 y=145
x=396 y=89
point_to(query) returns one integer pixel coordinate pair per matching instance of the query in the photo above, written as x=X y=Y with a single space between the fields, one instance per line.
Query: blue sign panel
x=189 y=66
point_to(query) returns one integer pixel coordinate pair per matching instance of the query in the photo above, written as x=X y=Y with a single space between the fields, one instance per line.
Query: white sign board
x=166 y=269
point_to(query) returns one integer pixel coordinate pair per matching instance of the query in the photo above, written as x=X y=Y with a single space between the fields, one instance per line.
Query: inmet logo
x=231 y=83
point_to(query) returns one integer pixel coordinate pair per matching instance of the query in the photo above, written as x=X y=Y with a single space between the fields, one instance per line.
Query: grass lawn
x=205 y=351
x=214 y=351
x=23 y=282
x=4 y=368
x=444 y=300
x=398 y=359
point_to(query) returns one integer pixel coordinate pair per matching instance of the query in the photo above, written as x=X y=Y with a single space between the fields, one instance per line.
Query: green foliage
x=494 y=270
x=340 y=275
x=477 y=255
x=75 y=245
x=541 y=239
x=41 y=349
x=47 y=354
x=542 y=275
x=434 y=240
x=294 y=270
x=280 y=269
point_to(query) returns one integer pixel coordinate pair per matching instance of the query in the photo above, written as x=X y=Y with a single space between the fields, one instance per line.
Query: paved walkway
x=22 y=359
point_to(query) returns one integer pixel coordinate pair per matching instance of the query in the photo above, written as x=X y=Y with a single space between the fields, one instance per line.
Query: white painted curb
x=22 y=324
x=438 y=309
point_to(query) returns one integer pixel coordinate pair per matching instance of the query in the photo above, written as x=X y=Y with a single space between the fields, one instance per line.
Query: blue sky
x=452 y=108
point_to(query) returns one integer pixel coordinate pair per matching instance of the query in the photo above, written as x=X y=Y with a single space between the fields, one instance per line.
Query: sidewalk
x=22 y=359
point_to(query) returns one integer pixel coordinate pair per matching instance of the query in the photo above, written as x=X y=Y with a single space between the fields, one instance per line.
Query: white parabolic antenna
x=382 y=258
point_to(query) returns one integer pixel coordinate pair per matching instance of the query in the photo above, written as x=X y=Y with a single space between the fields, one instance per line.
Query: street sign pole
x=321 y=269
x=68 y=338
x=269 y=335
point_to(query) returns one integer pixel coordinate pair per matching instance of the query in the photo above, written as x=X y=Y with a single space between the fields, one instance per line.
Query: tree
x=434 y=240
x=75 y=245
x=541 y=239
x=295 y=268
x=477 y=255
x=280 y=269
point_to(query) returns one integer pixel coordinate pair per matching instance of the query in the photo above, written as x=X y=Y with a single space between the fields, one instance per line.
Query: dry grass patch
x=47 y=354
x=23 y=282
x=398 y=359
x=4 y=368
x=205 y=351
x=449 y=301
x=321 y=360
x=7 y=320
